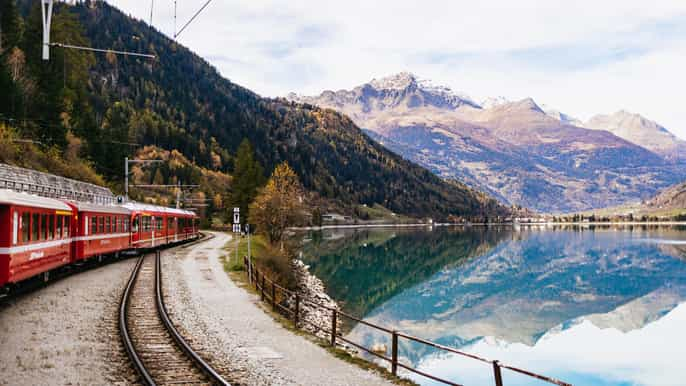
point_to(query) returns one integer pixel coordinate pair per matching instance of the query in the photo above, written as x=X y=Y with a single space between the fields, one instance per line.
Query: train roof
x=140 y=207
x=88 y=207
x=10 y=197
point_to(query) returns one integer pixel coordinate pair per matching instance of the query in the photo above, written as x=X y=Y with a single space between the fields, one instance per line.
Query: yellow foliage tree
x=278 y=205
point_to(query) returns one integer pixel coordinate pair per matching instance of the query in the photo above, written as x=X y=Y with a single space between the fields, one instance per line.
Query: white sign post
x=237 y=229
x=236 y=220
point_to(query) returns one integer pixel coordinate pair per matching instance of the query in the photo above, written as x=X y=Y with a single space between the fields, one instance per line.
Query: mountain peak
x=560 y=116
x=492 y=102
x=399 y=81
x=529 y=103
x=641 y=131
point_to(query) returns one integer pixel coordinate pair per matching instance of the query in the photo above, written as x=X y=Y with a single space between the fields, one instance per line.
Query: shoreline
x=542 y=224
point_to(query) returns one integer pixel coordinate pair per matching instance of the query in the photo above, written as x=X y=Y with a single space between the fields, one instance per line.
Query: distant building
x=335 y=217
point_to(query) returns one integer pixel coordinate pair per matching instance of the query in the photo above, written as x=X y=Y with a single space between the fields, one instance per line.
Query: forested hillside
x=116 y=104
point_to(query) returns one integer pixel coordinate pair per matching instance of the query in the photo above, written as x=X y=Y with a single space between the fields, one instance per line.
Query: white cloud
x=582 y=57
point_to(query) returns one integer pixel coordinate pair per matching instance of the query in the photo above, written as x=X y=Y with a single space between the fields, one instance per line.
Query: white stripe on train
x=57 y=243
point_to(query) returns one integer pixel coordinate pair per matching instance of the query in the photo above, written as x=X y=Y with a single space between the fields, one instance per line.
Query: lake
x=589 y=306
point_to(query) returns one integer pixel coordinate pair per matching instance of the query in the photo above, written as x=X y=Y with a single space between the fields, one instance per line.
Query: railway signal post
x=237 y=229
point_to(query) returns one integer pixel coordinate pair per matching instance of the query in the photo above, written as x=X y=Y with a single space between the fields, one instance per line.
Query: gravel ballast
x=66 y=333
x=235 y=335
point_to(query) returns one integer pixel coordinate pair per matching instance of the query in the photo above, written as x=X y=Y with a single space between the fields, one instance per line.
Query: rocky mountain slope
x=673 y=197
x=517 y=151
x=641 y=131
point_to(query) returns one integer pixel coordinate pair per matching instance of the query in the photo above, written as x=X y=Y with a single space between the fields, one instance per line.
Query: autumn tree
x=278 y=205
x=248 y=176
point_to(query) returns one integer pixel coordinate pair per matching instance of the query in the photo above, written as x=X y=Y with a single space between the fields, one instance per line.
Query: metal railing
x=52 y=186
x=290 y=305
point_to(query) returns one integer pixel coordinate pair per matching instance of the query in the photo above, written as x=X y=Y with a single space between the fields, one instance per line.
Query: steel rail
x=124 y=329
x=162 y=311
x=125 y=334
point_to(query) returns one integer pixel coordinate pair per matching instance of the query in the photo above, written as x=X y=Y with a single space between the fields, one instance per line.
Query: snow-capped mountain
x=491 y=102
x=519 y=151
x=400 y=91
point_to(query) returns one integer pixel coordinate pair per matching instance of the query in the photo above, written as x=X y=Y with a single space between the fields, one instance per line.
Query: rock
x=379 y=348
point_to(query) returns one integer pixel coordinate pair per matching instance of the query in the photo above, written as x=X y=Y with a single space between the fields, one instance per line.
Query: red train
x=39 y=234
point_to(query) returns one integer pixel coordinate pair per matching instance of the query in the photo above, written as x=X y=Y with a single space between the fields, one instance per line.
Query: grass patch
x=268 y=258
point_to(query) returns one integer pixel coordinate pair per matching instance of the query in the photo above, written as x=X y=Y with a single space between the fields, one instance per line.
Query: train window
x=134 y=226
x=107 y=224
x=58 y=226
x=170 y=223
x=125 y=221
x=43 y=226
x=35 y=223
x=65 y=226
x=25 y=226
x=50 y=227
x=101 y=224
x=94 y=225
x=15 y=227
x=158 y=223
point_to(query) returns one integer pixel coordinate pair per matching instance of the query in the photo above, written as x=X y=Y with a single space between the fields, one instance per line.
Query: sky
x=580 y=57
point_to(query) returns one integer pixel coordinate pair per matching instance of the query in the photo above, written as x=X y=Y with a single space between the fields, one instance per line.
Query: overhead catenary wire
x=192 y=18
x=126 y=53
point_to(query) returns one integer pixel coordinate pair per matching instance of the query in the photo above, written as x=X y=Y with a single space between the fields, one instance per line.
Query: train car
x=35 y=236
x=181 y=225
x=153 y=226
x=99 y=230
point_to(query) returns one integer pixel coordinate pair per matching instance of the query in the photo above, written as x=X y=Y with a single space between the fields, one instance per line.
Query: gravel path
x=238 y=337
x=66 y=333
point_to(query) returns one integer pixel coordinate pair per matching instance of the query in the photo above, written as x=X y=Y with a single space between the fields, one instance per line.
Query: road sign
x=236 y=220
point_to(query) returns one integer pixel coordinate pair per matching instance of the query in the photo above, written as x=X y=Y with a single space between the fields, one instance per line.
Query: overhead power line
x=192 y=18
x=127 y=53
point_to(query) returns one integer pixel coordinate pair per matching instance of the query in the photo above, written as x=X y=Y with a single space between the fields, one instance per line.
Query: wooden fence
x=289 y=303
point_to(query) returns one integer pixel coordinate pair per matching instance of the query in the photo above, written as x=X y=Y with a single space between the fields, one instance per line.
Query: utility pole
x=46 y=12
x=178 y=195
x=46 y=19
x=126 y=177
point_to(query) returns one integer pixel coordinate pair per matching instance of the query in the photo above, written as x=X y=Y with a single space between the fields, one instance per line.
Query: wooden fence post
x=496 y=374
x=297 y=310
x=273 y=296
x=333 y=328
x=394 y=353
x=262 y=286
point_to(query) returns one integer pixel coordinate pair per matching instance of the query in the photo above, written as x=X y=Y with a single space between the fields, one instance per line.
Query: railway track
x=158 y=352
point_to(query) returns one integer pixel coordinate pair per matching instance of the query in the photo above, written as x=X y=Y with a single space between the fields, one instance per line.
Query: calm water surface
x=589 y=306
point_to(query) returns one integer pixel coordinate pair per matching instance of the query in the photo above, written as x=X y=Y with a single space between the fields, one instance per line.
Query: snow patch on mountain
x=492 y=102
x=562 y=117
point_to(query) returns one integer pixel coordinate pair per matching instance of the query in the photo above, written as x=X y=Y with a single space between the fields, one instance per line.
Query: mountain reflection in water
x=498 y=291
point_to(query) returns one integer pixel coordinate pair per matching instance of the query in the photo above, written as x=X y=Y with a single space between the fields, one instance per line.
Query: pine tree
x=10 y=25
x=248 y=176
